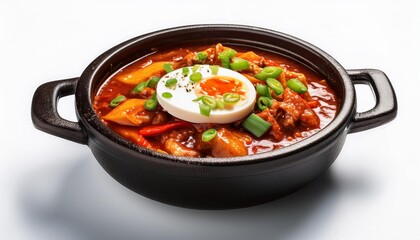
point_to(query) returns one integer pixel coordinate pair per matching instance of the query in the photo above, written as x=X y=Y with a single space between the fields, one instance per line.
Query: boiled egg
x=179 y=94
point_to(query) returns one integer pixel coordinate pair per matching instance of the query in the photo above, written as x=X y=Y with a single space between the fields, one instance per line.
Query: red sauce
x=293 y=116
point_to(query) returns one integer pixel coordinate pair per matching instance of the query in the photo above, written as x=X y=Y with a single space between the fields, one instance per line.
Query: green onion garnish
x=239 y=64
x=204 y=109
x=231 y=97
x=225 y=57
x=256 y=125
x=117 y=100
x=268 y=72
x=139 y=87
x=201 y=56
x=154 y=97
x=195 y=68
x=227 y=53
x=275 y=85
x=168 y=67
x=167 y=95
x=263 y=103
x=214 y=69
x=198 y=99
x=209 y=101
x=296 y=85
x=209 y=134
x=185 y=71
x=152 y=82
x=195 y=77
x=171 y=82
x=150 y=104
x=263 y=90
x=220 y=105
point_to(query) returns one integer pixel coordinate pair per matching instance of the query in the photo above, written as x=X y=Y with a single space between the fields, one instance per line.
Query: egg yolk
x=218 y=85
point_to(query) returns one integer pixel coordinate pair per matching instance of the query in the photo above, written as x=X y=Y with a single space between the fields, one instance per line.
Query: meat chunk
x=255 y=61
x=296 y=108
x=160 y=118
x=309 y=118
x=275 y=130
x=146 y=93
x=227 y=143
x=172 y=146
x=180 y=143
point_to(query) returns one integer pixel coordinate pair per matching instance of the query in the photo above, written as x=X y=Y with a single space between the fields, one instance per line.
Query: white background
x=51 y=188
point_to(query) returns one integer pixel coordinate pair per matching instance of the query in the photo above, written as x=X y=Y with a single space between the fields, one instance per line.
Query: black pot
x=211 y=183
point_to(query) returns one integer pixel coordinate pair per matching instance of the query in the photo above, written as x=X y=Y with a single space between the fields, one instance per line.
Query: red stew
x=294 y=105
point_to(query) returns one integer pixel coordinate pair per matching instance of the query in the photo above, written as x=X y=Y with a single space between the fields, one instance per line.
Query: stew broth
x=127 y=103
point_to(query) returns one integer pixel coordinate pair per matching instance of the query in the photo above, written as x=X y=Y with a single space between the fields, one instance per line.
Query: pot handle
x=385 y=108
x=44 y=112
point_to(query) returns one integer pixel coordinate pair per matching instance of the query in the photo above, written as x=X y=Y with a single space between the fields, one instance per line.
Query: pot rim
x=95 y=127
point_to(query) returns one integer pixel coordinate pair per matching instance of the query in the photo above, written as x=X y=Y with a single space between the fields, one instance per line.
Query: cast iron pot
x=213 y=183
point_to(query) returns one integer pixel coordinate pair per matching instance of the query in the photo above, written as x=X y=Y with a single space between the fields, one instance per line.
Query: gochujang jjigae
x=215 y=101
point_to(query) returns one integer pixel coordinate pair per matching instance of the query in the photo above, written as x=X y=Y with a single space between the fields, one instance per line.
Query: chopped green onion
x=201 y=56
x=239 y=64
x=209 y=134
x=185 y=71
x=152 y=82
x=150 y=104
x=268 y=72
x=296 y=85
x=209 y=101
x=214 y=69
x=139 y=87
x=167 y=95
x=225 y=57
x=225 y=62
x=204 y=109
x=198 y=99
x=275 y=85
x=117 y=100
x=220 y=105
x=195 y=68
x=168 y=67
x=227 y=53
x=231 y=97
x=154 y=97
x=195 y=77
x=256 y=125
x=171 y=82
x=263 y=103
x=263 y=90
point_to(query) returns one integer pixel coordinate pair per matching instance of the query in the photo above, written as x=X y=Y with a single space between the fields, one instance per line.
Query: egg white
x=182 y=106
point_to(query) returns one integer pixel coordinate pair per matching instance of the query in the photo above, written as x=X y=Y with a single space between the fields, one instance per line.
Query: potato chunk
x=141 y=75
x=228 y=144
x=130 y=113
